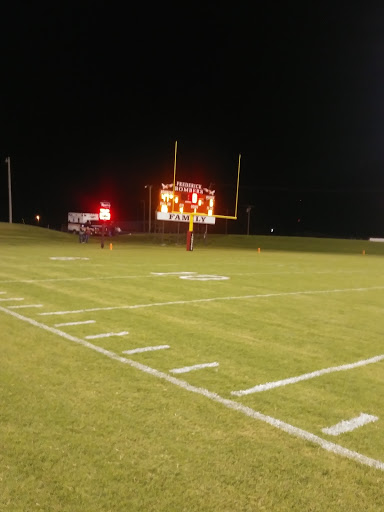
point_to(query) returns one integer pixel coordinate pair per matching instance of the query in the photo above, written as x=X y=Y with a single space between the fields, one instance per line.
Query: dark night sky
x=94 y=95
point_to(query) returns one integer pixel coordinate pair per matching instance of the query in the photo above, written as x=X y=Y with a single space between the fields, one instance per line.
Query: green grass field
x=189 y=425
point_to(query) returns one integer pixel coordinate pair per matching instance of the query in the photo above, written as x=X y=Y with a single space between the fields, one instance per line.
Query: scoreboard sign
x=188 y=198
x=105 y=210
x=184 y=217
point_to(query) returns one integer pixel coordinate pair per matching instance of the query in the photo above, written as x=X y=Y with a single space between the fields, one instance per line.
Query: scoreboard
x=105 y=211
x=186 y=199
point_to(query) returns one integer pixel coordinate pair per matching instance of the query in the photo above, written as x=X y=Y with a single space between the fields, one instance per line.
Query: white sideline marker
x=349 y=425
x=307 y=376
x=145 y=349
x=12 y=298
x=195 y=367
x=26 y=306
x=106 y=335
x=76 y=323
x=229 y=404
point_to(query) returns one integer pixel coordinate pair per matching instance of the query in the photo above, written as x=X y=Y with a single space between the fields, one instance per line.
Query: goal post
x=192 y=214
x=192 y=203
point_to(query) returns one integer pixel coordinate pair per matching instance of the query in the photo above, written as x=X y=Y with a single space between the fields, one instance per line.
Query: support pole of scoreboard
x=190 y=233
x=102 y=235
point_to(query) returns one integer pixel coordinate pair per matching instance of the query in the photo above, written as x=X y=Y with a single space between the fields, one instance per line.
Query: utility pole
x=142 y=201
x=149 y=187
x=249 y=208
x=8 y=161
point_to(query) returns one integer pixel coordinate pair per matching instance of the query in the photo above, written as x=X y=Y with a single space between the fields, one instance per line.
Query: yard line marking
x=205 y=277
x=54 y=279
x=106 y=335
x=1 y=293
x=213 y=299
x=12 y=298
x=67 y=258
x=230 y=404
x=172 y=273
x=154 y=274
x=76 y=323
x=26 y=306
x=145 y=349
x=195 y=367
x=349 y=425
x=296 y=272
x=307 y=376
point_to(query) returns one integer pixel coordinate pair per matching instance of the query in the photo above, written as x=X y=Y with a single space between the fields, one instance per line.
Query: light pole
x=249 y=208
x=8 y=161
x=142 y=201
x=149 y=187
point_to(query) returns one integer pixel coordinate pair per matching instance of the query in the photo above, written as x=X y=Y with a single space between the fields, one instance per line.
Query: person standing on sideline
x=81 y=234
x=87 y=233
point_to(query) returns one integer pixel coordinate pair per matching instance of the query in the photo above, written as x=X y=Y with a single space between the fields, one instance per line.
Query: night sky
x=94 y=94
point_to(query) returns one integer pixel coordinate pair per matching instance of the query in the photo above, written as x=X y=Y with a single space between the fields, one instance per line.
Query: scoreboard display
x=105 y=211
x=185 y=199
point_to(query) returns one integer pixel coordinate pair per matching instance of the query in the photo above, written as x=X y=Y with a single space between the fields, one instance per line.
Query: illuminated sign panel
x=105 y=214
x=181 y=186
x=105 y=210
x=182 y=217
x=187 y=198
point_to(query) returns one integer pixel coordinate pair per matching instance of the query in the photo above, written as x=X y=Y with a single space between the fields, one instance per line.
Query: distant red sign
x=105 y=214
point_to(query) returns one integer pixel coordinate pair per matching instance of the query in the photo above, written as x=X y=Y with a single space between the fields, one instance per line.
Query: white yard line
x=349 y=425
x=307 y=376
x=76 y=323
x=106 y=335
x=296 y=272
x=2 y=293
x=11 y=298
x=214 y=299
x=67 y=258
x=187 y=369
x=21 y=306
x=172 y=273
x=230 y=404
x=155 y=274
x=54 y=279
x=145 y=349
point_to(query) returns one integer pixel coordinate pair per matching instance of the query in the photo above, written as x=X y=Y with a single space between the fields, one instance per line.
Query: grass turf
x=80 y=431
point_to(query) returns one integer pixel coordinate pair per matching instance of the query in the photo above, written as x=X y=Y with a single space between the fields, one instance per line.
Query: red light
x=105 y=214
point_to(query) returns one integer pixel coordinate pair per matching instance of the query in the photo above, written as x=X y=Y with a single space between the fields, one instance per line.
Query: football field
x=148 y=378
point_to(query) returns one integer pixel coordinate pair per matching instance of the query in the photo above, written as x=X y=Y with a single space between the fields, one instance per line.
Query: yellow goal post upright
x=192 y=214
